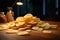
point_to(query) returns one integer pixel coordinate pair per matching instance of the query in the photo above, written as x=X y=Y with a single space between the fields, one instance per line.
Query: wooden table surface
x=34 y=35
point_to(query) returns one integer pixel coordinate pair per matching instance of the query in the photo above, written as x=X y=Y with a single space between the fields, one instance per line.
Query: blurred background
x=44 y=9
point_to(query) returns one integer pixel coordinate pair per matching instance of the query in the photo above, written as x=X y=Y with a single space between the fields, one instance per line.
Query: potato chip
x=35 y=28
x=47 y=31
x=31 y=22
x=21 y=29
x=53 y=26
x=14 y=27
x=28 y=15
x=40 y=29
x=20 y=23
x=36 y=19
x=1 y=28
x=28 y=30
x=20 y=19
x=23 y=33
x=11 y=31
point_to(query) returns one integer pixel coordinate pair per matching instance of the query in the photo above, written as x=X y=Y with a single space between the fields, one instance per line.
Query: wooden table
x=34 y=35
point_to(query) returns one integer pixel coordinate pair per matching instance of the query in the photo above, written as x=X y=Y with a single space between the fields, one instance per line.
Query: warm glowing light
x=19 y=3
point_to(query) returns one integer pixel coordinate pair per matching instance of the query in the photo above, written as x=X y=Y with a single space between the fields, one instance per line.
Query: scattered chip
x=11 y=31
x=53 y=26
x=47 y=31
x=23 y=33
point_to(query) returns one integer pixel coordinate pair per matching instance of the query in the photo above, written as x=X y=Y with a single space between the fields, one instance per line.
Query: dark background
x=33 y=6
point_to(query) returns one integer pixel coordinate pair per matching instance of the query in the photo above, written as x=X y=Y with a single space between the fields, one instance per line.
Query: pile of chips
x=24 y=24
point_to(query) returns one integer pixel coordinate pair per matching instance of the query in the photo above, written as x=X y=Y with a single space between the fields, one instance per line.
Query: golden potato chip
x=21 y=29
x=20 y=23
x=1 y=28
x=23 y=33
x=35 y=28
x=35 y=19
x=28 y=25
x=41 y=22
x=28 y=15
x=53 y=26
x=32 y=22
x=28 y=30
x=40 y=29
x=6 y=26
x=47 y=31
x=20 y=19
x=15 y=27
x=11 y=31
x=22 y=26
x=28 y=20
